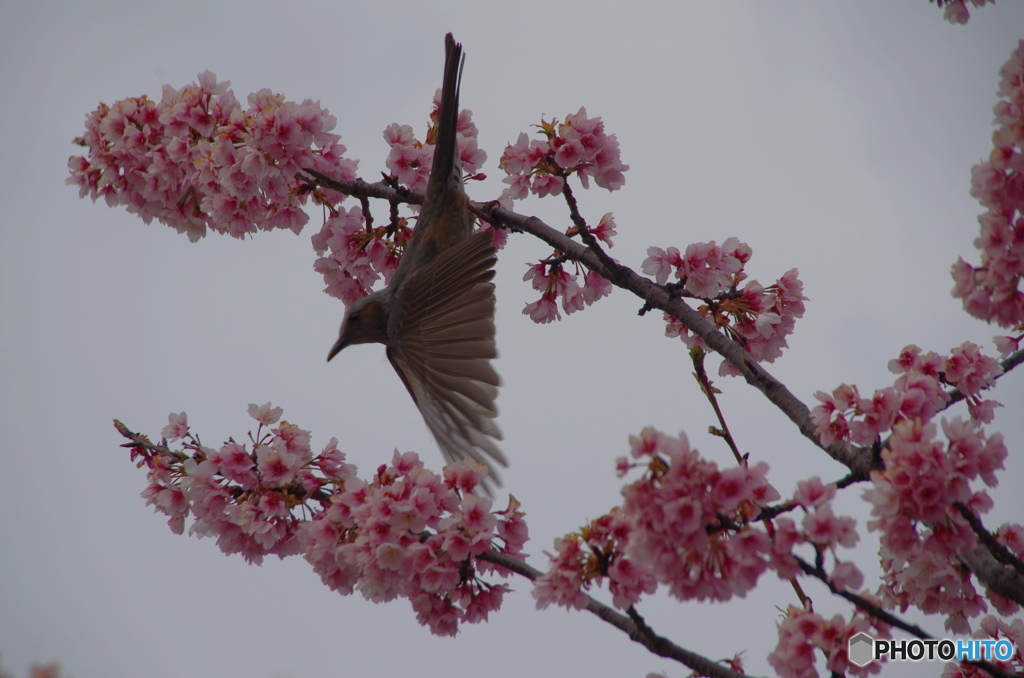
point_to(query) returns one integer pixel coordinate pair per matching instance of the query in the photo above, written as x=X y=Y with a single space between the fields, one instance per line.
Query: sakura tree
x=918 y=452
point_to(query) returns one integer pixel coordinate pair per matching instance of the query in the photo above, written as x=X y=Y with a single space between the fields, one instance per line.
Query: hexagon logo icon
x=861 y=649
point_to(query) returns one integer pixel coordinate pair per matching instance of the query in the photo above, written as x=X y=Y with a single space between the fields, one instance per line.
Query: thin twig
x=581 y=227
x=708 y=389
x=862 y=603
x=710 y=392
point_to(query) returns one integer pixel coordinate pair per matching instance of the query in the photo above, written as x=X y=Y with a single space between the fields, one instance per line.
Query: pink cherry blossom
x=196 y=160
x=605 y=229
x=661 y=263
x=544 y=310
x=555 y=283
x=177 y=427
x=992 y=291
x=669 y=513
x=407 y=533
x=410 y=160
x=804 y=634
x=353 y=258
x=579 y=145
x=759 y=318
x=813 y=492
x=265 y=414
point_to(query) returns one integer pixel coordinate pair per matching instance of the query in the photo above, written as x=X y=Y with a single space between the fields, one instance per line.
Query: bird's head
x=365 y=322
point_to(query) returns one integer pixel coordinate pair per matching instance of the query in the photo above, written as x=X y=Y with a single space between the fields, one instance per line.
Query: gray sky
x=834 y=137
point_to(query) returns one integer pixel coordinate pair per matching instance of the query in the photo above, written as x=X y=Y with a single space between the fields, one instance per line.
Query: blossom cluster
x=991 y=291
x=921 y=532
x=197 y=160
x=956 y=10
x=589 y=558
x=691 y=521
x=925 y=483
x=556 y=284
x=577 y=146
x=803 y=633
x=699 y=531
x=758 y=317
x=352 y=257
x=407 y=532
x=917 y=393
x=693 y=527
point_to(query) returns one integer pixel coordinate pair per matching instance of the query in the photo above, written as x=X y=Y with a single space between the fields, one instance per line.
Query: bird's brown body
x=436 y=316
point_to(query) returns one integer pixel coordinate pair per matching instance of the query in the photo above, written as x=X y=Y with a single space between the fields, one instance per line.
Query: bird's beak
x=341 y=343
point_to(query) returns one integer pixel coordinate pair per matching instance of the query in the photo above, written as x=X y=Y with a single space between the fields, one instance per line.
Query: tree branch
x=1002 y=579
x=642 y=635
x=880 y=614
x=998 y=551
x=862 y=603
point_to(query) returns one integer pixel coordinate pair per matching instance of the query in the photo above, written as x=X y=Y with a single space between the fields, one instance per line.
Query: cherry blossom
x=177 y=427
x=991 y=291
x=917 y=393
x=197 y=160
x=352 y=257
x=759 y=318
x=410 y=160
x=407 y=532
x=579 y=146
x=555 y=283
x=804 y=633
x=920 y=529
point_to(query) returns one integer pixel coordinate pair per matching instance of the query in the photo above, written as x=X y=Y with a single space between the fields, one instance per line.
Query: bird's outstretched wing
x=441 y=341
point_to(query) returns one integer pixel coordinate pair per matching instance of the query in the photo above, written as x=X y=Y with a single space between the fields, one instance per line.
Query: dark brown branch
x=878 y=613
x=709 y=391
x=642 y=635
x=1002 y=579
x=581 y=227
x=359 y=188
x=858 y=460
x=862 y=603
x=364 y=202
x=998 y=551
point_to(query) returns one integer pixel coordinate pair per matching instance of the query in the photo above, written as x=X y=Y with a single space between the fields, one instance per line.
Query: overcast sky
x=833 y=137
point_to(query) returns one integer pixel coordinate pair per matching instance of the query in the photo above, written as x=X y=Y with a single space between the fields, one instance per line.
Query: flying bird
x=436 y=316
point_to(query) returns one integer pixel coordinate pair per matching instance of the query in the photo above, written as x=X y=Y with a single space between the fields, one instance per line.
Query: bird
x=436 y=315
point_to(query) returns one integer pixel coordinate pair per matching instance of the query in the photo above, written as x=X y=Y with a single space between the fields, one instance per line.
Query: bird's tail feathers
x=446 y=151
